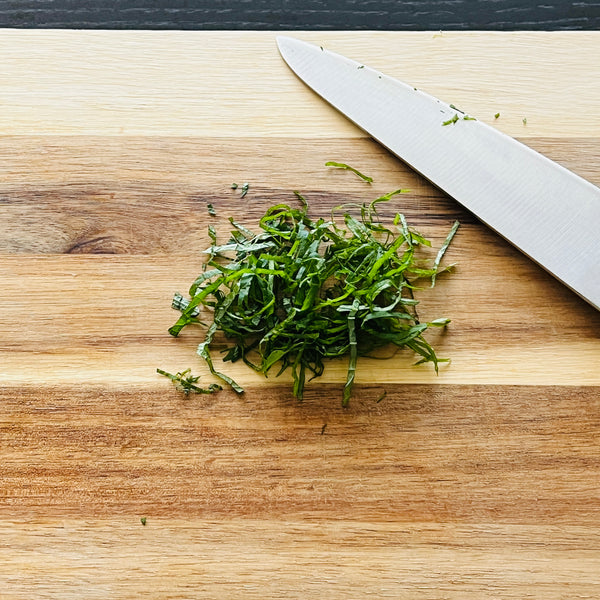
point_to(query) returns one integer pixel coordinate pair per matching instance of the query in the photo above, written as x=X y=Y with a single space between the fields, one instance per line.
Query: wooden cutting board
x=479 y=482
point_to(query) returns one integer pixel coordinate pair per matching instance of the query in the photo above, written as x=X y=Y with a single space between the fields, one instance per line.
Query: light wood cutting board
x=479 y=482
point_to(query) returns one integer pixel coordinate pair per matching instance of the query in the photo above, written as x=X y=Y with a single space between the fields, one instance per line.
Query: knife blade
x=548 y=212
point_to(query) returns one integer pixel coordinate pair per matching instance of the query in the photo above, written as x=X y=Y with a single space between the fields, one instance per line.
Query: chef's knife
x=545 y=210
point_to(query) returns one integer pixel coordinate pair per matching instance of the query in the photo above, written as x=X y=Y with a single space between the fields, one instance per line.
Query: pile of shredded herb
x=300 y=291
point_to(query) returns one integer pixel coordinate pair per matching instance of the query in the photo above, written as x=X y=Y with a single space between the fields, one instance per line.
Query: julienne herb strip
x=339 y=165
x=301 y=291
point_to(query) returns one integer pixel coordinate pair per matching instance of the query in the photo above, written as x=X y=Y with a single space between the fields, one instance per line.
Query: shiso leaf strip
x=301 y=291
x=332 y=163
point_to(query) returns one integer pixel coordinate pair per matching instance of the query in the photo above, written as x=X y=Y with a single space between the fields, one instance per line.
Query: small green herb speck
x=497 y=116
x=234 y=186
x=458 y=109
x=211 y=210
x=143 y=521
x=524 y=120
x=245 y=189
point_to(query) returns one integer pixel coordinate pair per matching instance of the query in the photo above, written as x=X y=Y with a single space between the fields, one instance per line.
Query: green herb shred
x=300 y=291
x=456 y=118
x=339 y=165
x=186 y=382
x=451 y=121
x=211 y=210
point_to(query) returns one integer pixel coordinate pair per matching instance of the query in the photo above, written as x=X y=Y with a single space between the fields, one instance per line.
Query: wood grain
x=424 y=453
x=462 y=491
x=246 y=558
x=308 y=14
x=479 y=482
x=148 y=195
x=103 y=320
x=234 y=83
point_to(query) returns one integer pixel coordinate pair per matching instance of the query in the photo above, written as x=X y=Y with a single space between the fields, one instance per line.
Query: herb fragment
x=497 y=115
x=186 y=382
x=180 y=303
x=143 y=521
x=211 y=210
x=245 y=188
x=323 y=428
x=441 y=252
x=456 y=118
x=524 y=120
x=301 y=291
x=451 y=121
x=339 y=165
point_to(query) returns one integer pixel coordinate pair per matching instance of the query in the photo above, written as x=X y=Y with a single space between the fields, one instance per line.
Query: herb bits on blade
x=295 y=292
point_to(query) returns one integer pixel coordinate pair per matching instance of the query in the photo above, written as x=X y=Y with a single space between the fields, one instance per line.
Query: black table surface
x=395 y=15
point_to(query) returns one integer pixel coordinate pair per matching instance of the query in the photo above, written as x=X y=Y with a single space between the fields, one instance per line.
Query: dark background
x=507 y=15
